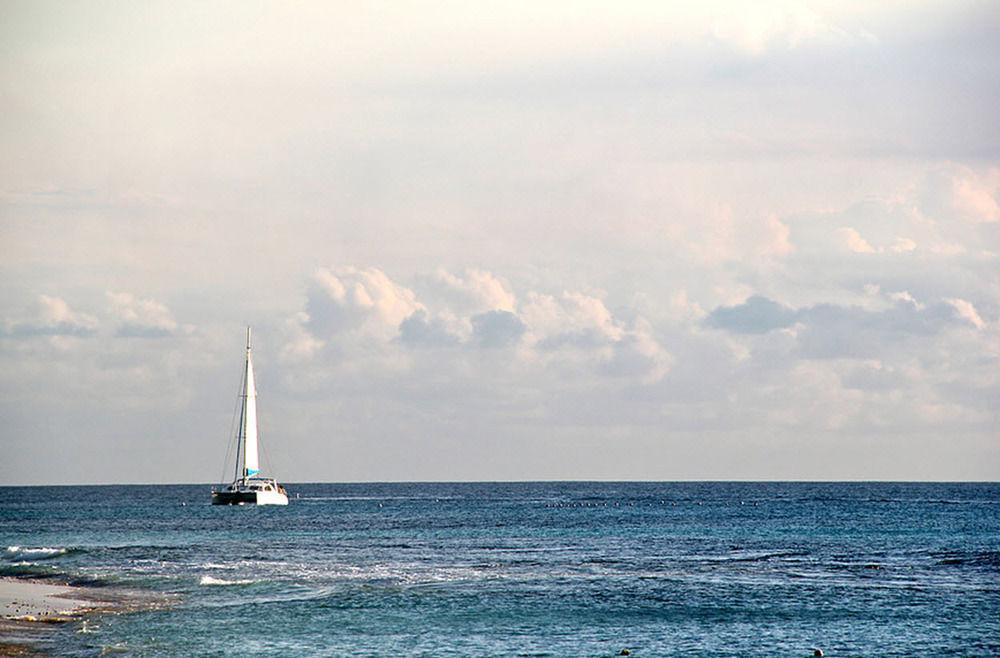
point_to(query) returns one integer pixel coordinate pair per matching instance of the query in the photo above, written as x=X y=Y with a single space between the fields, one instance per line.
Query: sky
x=501 y=241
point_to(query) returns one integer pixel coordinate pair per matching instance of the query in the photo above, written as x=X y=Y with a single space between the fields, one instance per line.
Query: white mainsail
x=248 y=421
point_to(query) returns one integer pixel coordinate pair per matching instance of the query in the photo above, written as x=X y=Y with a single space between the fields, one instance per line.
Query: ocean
x=560 y=569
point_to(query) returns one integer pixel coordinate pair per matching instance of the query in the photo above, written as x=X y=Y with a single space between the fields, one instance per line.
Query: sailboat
x=249 y=487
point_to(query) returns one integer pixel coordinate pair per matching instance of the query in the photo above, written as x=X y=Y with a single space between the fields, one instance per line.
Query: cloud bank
x=560 y=240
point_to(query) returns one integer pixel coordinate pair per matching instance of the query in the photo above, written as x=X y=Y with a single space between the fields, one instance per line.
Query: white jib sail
x=251 y=465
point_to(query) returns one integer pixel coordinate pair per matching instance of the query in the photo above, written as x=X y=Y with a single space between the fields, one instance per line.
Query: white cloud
x=756 y=315
x=441 y=330
x=573 y=317
x=474 y=291
x=353 y=299
x=967 y=311
x=683 y=308
x=574 y=330
x=299 y=344
x=958 y=192
x=718 y=234
x=52 y=316
x=932 y=207
x=578 y=328
x=838 y=331
x=497 y=329
x=903 y=245
x=54 y=312
x=638 y=354
x=767 y=237
x=904 y=296
x=853 y=241
x=145 y=318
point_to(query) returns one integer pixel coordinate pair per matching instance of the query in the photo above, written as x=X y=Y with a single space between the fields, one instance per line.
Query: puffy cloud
x=894 y=240
x=853 y=241
x=719 y=235
x=682 y=307
x=473 y=291
x=846 y=331
x=574 y=317
x=771 y=237
x=638 y=354
x=904 y=296
x=141 y=318
x=577 y=326
x=903 y=245
x=299 y=343
x=844 y=363
x=834 y=331
x=575 y=330
x=916 y=219
x=757 y=315
x=958 y=192
x=420 y=329
x=967 y=312
x=497 y=328
x=348 y=298
x=52 y=316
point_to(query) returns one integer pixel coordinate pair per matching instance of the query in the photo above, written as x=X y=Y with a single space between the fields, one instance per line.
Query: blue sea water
x=526 y=569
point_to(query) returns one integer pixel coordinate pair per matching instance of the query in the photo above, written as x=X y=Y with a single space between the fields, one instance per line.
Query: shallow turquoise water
x=527 y=569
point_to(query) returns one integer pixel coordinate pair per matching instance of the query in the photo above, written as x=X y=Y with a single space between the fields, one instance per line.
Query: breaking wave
x=209 y=580
x=32 y=553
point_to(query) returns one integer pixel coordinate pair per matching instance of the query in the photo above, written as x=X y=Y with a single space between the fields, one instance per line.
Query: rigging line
x=241 y=473
x=232 y=438
x=266 y=465
x=265 y=456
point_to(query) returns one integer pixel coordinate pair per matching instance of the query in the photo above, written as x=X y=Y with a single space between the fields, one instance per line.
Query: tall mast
x=241 y=430
x=249 y=418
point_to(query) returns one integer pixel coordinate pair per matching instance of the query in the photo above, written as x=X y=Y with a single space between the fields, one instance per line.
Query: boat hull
x=250 y=495
x=248 y=498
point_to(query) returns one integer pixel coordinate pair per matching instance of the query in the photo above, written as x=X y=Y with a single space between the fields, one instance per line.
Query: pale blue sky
x=533 y=241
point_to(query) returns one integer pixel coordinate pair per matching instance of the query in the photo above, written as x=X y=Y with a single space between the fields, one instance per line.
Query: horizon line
x=543 y=481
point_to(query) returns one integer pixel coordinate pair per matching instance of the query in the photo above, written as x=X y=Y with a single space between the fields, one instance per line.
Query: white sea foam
x=27 y=552
x=209 y=580
x=88 y=628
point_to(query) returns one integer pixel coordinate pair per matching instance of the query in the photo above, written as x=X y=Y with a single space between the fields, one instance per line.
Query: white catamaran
x=249 y=488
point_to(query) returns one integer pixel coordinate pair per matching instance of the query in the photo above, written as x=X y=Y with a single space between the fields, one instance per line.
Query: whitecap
x=216 y=565
x=40 y=553
x=87 y=628
x=209 y=580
